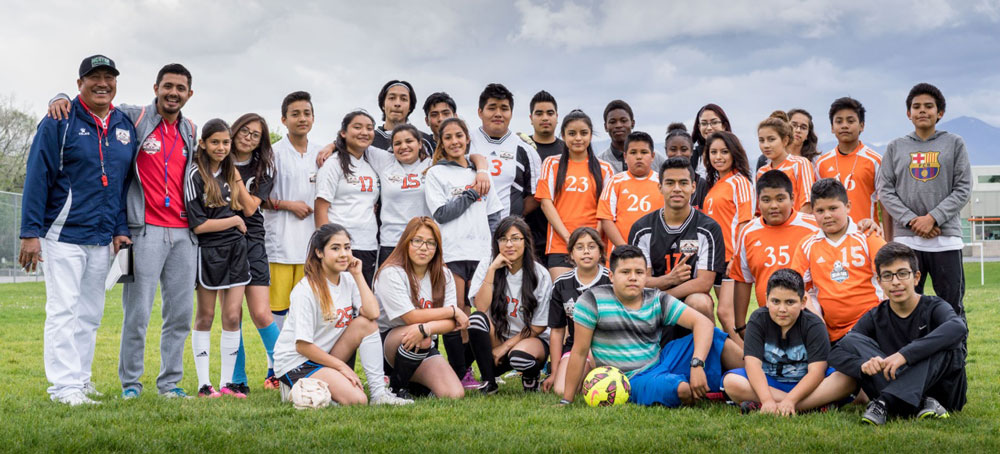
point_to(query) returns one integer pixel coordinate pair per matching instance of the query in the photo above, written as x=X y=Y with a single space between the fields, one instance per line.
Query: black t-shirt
x=664 y=246
x=199 y=211
x=565 y=291
x=700 y=191
x=549 y=149
x=536 y=219
x=383 y=140
x=786 y=359
x=260 y=188
x=933 y=326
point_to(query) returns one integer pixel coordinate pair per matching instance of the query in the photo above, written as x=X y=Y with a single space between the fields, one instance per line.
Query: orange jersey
x=762 y=249
x=843 y=274
x=577 y=203
x=858 y=172
x=730 y=202
x=626 y=198
x=801 y=172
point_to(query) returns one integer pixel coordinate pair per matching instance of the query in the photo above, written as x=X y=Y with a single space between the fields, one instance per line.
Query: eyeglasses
x=901 y=274
x=511 y=240
x=800 y=127
x=244 y=132
x=586 y=248
x=418 y=243
x=713 y=123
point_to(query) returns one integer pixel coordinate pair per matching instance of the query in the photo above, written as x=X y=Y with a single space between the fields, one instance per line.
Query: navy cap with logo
x=93 y=62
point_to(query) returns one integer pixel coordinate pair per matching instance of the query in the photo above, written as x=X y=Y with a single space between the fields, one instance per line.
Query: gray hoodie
x=919 y=176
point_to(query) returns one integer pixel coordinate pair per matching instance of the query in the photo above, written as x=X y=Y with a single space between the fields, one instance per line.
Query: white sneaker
x=388 y=398
x=90 y=390
x=75 y=398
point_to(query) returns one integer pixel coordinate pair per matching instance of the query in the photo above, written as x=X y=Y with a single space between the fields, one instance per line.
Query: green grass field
x=508 y=422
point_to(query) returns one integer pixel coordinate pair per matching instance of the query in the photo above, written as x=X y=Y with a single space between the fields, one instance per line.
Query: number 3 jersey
x=576 y=203
x=514 y=166
x=307 y=322
x=627 y=198
x=762 y=249
x=843 y=274
x=664 y=246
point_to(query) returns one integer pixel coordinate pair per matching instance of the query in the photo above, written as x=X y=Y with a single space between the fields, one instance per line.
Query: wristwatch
x=697 y=362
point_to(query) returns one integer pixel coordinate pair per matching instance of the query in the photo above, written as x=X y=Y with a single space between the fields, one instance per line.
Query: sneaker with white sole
x=176 y=393
x=130 y=393
x=469 y=380
x=388 y=398
x=90 y=390
x=75 y=398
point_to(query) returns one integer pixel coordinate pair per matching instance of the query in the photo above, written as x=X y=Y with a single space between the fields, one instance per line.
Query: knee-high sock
x=371 y=361
x=456 y=353
x=406 y=364
x=279 y=318
x=229 y=344
x=201 y=346
x=482 y=346
x=240 y=369
x=525 y=363
x=469 y=357
x=269 y=335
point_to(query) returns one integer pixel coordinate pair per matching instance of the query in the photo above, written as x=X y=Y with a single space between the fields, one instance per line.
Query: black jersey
x=536 y=219
x=260 y=188
x=700 y=191
x=383 y=140
x=549 y=149
x=199 y=210
x=664 y=246
x=565 y=291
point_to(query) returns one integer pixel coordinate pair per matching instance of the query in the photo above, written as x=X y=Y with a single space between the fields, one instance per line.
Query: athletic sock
x=269 y=335
x=240 y=369
x=201 y=344
x=456 y=353
x=371 y=361
x=279 y=318
x=229 y=344
x=469 y=357
x=527 y=365
x=406 y=365
x=482 y=346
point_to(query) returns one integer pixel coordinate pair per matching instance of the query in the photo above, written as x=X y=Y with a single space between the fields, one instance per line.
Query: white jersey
x=467 y=237
x=306 y=321
x=402 y=197
x=352 y=198
x=514 y=312
x=286 y=237
x=392 y=289
x=514 y=166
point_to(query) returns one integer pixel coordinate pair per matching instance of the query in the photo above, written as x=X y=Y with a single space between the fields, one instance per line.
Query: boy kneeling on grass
x=622 y=324
x=785 y=352
x=907 y=352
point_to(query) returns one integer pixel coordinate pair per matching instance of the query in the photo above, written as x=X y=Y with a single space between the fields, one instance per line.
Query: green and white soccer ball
x=606 y=386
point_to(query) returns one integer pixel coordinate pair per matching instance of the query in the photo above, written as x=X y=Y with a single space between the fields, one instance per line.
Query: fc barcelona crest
x=924 y=165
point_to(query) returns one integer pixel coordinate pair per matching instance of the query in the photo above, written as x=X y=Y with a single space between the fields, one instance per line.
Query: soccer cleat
x=931 y=408
x=489 y=388
x=233 y=389
x=242 y=387
x=388 y=398
x=75 y=398
x=876 y=413
x=529 y=384
x=271 y=382
x=90 y=390
x=208 y=391
x=469 y=381
x=176 y=393
x=747 y=407
x=130 y=393
x=402 y=393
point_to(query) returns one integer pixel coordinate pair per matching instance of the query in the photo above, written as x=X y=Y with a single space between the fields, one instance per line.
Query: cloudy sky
x=665 y=58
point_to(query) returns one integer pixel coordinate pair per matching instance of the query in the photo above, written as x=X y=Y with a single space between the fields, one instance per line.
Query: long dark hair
x=529 y=304
x=313 y=268
x=740 y=162
x=699 y=140
x=227 y=169
x=407 y=127
x=400 y=257
x=261 y=158
x=340 y=146
x=593 y=164
x=809 y=146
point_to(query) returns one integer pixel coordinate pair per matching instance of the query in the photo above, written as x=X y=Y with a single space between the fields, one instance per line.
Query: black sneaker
x=530 y=384
x=402 y=393
x=931 y=408
x=747 y=407
x=875 y=413
x=243 y=388
x=489 y=388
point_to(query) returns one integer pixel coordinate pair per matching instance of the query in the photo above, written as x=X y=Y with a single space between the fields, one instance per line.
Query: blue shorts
x=658 y=383
x=783 y=386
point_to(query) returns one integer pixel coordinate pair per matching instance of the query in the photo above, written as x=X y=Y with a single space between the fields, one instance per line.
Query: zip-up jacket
x=64 y=196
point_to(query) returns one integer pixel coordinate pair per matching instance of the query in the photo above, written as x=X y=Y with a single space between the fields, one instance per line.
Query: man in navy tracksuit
x=73 y=209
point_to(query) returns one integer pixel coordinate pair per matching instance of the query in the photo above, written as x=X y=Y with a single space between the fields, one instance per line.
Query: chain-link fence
x=10 y=244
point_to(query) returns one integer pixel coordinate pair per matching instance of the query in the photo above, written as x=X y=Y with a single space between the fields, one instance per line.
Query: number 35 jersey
x=843 y=274
x=576 y=202
x=626 y=199
x=762 y=249
x=514 y=166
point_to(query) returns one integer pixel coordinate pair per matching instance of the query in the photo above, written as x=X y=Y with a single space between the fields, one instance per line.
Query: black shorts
x=368 y=260
x=464 y=269
x=302 y=371
x=222 y=267
x=383 y=253
x=558 y=261
x=260 y=271
x=720 y=275
x=385 y=361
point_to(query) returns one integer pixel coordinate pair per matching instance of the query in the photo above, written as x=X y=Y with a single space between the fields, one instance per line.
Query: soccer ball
x=606 y=386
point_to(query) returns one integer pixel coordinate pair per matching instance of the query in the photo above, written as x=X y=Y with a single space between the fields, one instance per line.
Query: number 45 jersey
x=626 y=199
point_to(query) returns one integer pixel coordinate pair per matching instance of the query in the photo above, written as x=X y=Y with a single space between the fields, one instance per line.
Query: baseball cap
x=97 y=61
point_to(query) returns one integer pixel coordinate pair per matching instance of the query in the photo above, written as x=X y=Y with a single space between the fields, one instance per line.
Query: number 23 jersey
x=576 y=203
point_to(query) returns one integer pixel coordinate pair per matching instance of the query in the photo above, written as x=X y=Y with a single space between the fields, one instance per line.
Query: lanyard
x=166 y=161
x=101 y=128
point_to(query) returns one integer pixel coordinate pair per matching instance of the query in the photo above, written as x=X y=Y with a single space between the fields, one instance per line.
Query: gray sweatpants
x=165 y=256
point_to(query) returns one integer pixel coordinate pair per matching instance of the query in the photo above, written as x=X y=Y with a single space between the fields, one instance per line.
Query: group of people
x=516 y=252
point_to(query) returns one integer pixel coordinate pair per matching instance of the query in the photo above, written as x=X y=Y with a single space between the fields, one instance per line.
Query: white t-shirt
x=305 y=321
x=286 y=237
x=352 y=199
x=392 y=289
x=513 y=164
x=542 y=293
x=468 y=236
x=402 y=197
x=939 y=243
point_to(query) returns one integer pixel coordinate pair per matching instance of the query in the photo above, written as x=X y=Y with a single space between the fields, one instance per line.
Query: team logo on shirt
x=924 y=165
x=123 y=136
x=83 y=132
x=689 y=247
x=151 y=145
x=839 y=273
x=569 y=306
x=506 y=155
x=395 y=178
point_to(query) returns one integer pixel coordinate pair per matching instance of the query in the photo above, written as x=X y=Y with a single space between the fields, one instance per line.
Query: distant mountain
x=982 y=140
